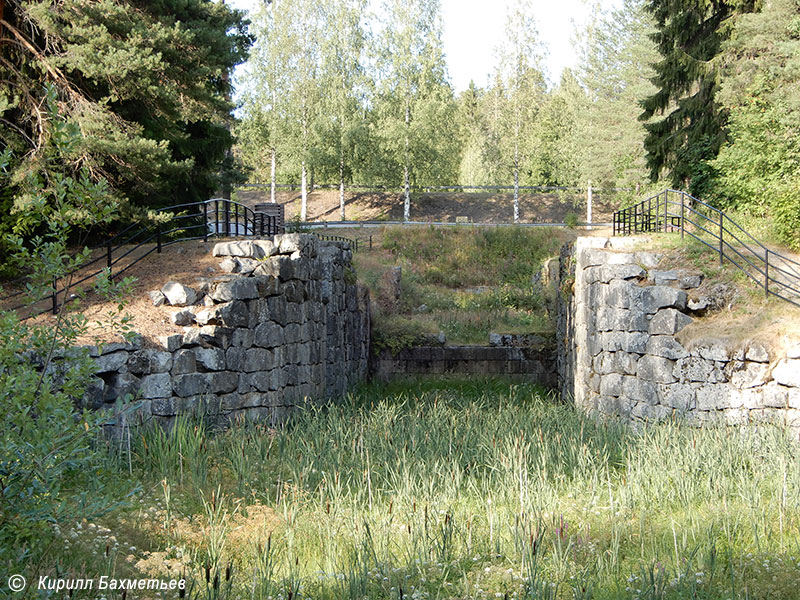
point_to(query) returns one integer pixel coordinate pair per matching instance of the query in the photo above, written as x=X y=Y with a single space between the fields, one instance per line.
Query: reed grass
x=479 y=489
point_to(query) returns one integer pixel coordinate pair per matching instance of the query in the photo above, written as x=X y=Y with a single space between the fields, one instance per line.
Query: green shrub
x=52 y=459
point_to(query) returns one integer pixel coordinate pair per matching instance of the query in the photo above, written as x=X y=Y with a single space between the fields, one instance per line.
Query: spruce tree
x=689 y=36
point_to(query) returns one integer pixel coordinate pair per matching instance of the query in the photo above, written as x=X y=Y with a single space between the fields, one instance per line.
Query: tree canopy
x=145 y=82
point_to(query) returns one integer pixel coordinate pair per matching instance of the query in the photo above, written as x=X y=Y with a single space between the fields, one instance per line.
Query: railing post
x=683 y=209
x=370 y=241
x=766 y=273
x=216 y=218
x=236 y=219
x=109 y=249
x=158 y=238
x=227 y=206
x=55 y=295
x=666 y=202
x=720 y=237
x=205 y=221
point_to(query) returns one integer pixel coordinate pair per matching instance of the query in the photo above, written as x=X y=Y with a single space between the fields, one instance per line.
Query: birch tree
x=416 y=109
x=522 y=87
x=343 y=80
x=302 y=19
x=283 y=101
x=264 y=105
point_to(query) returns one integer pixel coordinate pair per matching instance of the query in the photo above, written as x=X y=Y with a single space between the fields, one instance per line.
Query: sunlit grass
x=466 y=489
x=465 y=281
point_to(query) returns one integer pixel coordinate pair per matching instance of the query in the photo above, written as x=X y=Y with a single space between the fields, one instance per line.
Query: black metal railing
x=181 y=223
x=338 y=238
x=676 y=211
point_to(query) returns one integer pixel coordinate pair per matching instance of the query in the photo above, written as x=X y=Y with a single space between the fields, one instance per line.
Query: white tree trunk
x=303 y=192
x=516 y=185
x=589 y=204
x=272 y=179
x=407 y=201
x=341 y=187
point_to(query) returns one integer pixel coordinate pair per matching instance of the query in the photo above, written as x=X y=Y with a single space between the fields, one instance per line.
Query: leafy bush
x=51 y=460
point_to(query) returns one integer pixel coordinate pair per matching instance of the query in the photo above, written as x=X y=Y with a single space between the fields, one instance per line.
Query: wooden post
x=158 y=239
x=55 y=296
x=589 y=204
x=683 y=212
x=720 y=238
x=766 y=273
x=108 y=256
x=666 y=201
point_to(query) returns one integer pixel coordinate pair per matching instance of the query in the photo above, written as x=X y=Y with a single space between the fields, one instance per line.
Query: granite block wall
x=624 y=350
x=534 y=364
x=288 y=327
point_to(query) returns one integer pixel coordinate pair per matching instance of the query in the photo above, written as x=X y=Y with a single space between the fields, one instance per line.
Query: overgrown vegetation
x=453 y=490
x=53 y=468
x=464 y=281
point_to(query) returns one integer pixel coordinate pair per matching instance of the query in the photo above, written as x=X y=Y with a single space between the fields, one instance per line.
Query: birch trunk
x=272 y=178
x=516 y=185
x=341 y=187
x=407 y=201
x=303 y=192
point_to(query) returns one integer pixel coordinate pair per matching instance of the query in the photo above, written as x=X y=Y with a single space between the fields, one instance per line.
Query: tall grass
x=487 y=489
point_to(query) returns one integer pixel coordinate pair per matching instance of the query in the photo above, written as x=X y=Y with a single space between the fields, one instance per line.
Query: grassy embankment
x=455 y=490
x=746 y=312
x=465 y=281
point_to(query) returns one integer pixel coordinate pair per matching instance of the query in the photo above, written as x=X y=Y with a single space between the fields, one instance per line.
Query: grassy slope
x=749 y=315
x=472 y=281
x=457 y=490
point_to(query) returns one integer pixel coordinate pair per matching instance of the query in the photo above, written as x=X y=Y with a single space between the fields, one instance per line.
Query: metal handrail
x=238 y=220
x=690 y=216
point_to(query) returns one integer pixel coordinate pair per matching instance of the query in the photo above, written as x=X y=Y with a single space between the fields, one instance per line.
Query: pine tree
x=615 y=70
x=689 y=36
x=147 y=84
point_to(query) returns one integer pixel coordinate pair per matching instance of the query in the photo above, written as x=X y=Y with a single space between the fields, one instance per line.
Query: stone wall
x=624 y=350
x=288 y=326
x=535 y=364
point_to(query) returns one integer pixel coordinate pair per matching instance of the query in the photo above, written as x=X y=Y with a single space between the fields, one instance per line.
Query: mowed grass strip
x=459 y=489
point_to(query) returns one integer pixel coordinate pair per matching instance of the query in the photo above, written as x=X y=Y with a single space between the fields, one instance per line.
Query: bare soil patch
x=187 y=262
x=477 y=207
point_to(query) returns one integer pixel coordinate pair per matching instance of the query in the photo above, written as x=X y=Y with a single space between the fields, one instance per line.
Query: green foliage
x=145 y=82
x=395 y=333
x=53 y=469
x=571 y=219
x=757 y=170
x=460 y=257
x=689 y=35
x=615 y=69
